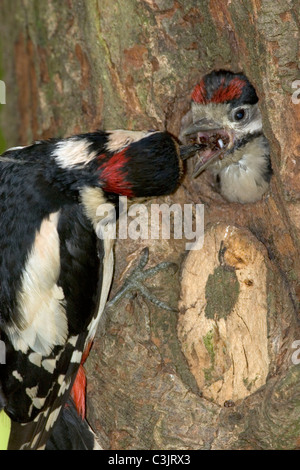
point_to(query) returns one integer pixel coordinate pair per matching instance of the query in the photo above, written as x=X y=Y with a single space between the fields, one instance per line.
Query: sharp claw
x=144 y=258
x=133 y=282
x=164 y=265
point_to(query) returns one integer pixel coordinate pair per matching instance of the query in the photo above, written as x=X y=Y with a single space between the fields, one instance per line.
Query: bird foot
x=134 y=282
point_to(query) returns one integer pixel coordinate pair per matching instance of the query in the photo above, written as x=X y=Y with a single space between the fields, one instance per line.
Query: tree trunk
x=223 y=371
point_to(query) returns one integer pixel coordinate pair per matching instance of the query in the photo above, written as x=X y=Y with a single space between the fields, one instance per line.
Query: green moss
x=208 y=375
x=209 y=345
x=292 y=275
x=249 y=385
x=106 y=69
x=215 y=42
x=221 y=292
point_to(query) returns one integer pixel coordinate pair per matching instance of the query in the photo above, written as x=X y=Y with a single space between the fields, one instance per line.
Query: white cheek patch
x=119 y=139
x=255 y=125
x=42 y=319
x=73 y=151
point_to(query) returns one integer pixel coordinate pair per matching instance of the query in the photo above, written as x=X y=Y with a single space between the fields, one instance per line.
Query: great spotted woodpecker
x=226 y=118
x=55 y=273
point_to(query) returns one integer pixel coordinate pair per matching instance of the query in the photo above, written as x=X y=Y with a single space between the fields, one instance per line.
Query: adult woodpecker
x=55 y=273
x=226 y=118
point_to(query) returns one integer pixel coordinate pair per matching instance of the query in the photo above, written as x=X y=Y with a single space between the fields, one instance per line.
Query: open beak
x=187 y=151
x=213 y=140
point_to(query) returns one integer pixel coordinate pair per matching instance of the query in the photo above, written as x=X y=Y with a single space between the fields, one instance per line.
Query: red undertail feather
x=78 y=391
x=79 y=386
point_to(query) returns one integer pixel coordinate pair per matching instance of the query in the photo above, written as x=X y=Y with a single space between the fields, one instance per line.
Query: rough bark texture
x=158 y=379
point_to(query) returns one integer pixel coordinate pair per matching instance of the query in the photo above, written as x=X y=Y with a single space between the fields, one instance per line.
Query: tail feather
x=71 y=432
x=78 y=392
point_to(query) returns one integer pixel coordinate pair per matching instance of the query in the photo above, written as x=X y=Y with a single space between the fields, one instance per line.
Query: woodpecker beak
x=187 y=151
x=213 y=140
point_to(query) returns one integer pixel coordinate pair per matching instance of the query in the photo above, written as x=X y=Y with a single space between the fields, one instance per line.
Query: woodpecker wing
x=55 y=278
x=55 y=275
x=80 y=278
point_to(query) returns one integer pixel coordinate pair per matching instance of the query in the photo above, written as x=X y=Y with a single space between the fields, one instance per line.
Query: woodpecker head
x=225 y=119
x=127 y=163
x=140 y=163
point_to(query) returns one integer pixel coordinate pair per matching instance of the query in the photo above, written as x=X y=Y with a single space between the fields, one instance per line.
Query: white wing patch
x=17 y=376
x=42 y=318
x=49 y=365
x=35 y=359
x=73 y=151
x=76 y=356
x=119 y=139
x=52 y=418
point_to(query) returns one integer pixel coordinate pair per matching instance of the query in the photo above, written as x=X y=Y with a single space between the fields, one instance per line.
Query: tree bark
x=222 y=372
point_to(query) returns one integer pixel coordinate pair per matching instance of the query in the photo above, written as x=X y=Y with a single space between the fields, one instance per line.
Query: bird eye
x=239 y=114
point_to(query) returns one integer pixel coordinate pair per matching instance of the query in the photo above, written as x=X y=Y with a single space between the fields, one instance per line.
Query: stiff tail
x=71 y=432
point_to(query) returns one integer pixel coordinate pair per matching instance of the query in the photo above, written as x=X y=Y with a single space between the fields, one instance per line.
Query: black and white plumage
x=71 y=432
x=55 y=274
x=226 y=118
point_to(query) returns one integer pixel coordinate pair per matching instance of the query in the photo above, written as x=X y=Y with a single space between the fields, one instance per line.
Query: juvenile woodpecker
x=226 y=118
x=55 y=273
